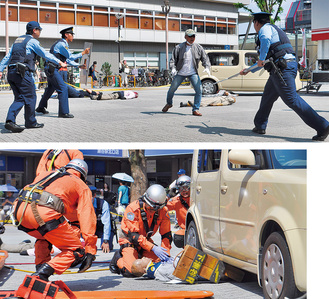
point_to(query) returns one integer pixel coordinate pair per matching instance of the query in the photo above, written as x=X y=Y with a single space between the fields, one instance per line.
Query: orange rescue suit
x=64 y=157
x=132 y=224
x=77 y=199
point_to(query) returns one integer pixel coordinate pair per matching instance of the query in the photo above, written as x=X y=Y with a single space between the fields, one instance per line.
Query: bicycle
x=100 y=80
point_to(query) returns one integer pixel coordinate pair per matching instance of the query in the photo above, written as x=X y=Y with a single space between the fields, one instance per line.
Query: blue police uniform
x=274 y=43
x=57 y=78
x=24 y=50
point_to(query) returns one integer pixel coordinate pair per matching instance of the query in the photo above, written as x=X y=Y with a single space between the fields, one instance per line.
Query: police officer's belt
x=43 y=198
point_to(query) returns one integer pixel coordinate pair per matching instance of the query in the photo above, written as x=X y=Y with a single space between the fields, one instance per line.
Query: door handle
x=198 y=189
x=223 y=189
x=214 y=70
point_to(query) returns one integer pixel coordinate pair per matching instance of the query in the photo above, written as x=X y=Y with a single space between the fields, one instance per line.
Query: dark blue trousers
x=72 y=92
x=275 y=88
x=56 y=82
x=24 y=92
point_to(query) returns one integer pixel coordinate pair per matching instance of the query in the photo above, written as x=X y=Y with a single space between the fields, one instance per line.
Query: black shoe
x=23 y=252
x=321 y=137
x=42 y=110
x=99 y=97
x=66 y=115
x=36 y=126
x=44 y=272
x=259 y=131
x=13 y=127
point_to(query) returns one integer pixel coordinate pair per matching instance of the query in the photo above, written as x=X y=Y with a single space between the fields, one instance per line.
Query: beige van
x=225 y=63
x=248 y=208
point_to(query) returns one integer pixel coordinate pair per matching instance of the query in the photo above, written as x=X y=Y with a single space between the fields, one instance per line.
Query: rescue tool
x=245 y=71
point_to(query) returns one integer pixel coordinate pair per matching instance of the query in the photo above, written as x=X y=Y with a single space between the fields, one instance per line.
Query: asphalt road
x=103 y=280
x=141 y=120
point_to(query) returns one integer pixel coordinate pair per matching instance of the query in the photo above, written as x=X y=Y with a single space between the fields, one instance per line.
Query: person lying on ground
x=223 y=99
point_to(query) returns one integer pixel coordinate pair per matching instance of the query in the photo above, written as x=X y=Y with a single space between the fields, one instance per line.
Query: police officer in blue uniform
x=21 y=65
x=274 y=44
x=57 y=77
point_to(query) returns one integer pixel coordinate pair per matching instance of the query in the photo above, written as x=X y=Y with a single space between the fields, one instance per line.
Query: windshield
x=284 y=159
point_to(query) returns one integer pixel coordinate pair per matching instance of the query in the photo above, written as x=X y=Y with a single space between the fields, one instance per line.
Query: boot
x=113 y=263
x=44 y=272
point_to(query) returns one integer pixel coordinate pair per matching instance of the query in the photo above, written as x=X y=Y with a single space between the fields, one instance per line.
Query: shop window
x=186 y=16
x=132 y=22
x=185 y=24
x=66 y=6
x=147 y=12
x=82 y=7
x=28 y=14
x=66 y=17
x=221 y=20
x=48 y=4
x=160 y=24
x=210 y=27
x=173 y=15
x=140 y=54
x=231 y=29
x=210 y=18
x=173 y=25
x=23 y=2
x=100 y=8
x=199 y=26
x=115 y=9
x=146 y=23
x=12 y=13
x=160 y=14
x=221 y=28
x=101 y=20
x=231 y=20
x=140 y=63
x=83 y=18
x=48 y=16
x=198 y=17
x=15 y=163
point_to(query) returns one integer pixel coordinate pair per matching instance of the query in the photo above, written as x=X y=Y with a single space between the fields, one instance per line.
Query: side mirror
x=243 y=157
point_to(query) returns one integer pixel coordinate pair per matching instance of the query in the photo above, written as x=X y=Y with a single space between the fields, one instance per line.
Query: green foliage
x=106 y=69
x=271 y=6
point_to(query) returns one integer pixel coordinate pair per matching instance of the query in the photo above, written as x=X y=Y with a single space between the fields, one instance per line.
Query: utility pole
x=119 y=16
x=166 y=9
x=6 y=22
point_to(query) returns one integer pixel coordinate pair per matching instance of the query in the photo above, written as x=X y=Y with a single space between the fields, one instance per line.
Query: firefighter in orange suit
x=181 y=203
x=56 y=158
x=141 y=220
x=40 y=210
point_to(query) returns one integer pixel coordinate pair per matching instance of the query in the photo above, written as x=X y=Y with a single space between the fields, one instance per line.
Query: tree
x=138 y=171
x=106 y=70
x=272 y=6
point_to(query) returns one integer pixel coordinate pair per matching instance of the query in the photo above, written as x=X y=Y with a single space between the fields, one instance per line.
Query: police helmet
x=155 y=196
x=184 y=180
x=80 y=166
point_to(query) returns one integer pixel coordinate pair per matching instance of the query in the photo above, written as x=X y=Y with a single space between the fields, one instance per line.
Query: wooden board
x=137 y=294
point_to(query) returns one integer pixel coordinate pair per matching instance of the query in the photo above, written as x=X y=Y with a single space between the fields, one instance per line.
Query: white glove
x=174 y=71
x=206 y=70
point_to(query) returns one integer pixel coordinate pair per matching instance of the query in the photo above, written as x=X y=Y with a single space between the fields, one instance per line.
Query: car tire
x=208 y=87
x=192 y=237
x=277 y=272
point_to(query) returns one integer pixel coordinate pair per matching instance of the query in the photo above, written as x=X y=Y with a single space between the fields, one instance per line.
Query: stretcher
x=3 y=256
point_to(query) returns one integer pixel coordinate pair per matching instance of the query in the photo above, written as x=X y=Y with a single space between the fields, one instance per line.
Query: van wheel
x=277 y=273
x=208 y=87
x=191 y=237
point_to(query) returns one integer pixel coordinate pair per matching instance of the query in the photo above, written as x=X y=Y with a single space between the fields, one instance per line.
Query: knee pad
x=179 y=241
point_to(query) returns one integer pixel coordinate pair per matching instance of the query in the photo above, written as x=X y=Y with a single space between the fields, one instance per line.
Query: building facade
x=135 y=30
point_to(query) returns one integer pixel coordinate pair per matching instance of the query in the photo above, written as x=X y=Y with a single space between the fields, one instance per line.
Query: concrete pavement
x=141 y=120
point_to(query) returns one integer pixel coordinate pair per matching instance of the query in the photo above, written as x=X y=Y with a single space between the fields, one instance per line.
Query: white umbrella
x=123 y=177
x=8 y=188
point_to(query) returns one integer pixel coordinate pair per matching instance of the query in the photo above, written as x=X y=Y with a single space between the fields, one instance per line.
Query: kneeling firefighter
x=142 y=219
x=181 y=203
x=41 y=208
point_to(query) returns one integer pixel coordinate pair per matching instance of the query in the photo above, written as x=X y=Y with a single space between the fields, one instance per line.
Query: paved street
x=104 y=280
x=141 y=120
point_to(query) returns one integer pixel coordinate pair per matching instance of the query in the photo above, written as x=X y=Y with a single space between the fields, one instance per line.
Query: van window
x=223 y=59
x=283 y=159
x=251 y=58
x=209 y=160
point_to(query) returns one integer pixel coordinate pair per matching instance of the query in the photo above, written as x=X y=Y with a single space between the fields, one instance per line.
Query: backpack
x=90 y=71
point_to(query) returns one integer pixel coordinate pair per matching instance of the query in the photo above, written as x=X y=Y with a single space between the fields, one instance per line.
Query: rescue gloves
x=160 y=252
x=87 y=262
x=79 y=255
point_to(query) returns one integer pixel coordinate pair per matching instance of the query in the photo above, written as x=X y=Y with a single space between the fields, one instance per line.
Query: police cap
x=67 y=30
x=32 y=25
x=261 y=15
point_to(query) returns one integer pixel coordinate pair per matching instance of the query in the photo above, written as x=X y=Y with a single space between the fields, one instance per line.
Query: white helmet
x=155 y=196
x=80 y=166
x=184 y=180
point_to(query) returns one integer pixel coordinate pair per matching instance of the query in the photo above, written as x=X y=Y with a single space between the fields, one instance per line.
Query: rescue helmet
x=155 y=196
x=79 y=165
x=183 y=181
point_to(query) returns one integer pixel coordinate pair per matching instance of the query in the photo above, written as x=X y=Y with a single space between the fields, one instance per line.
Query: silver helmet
x=183 y=181
x=155 y=196
x=80 y=166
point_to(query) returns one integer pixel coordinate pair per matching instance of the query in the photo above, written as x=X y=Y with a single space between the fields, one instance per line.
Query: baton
x=245 y=71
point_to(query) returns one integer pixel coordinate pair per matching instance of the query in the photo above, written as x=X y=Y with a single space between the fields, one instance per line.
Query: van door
x=207 y=197
x=238 y=210
x=224 y=65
